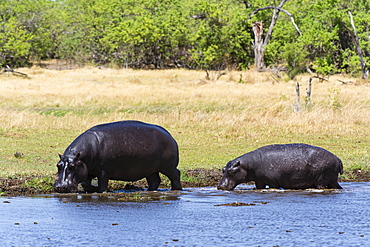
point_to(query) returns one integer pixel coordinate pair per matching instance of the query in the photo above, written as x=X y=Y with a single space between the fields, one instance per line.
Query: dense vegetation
x=200 y=34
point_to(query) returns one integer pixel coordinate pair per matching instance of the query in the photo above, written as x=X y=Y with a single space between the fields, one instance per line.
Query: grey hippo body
x=125 y=150
x=288 y=166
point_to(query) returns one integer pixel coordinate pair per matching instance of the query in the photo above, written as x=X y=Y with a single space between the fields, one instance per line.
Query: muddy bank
x=25 y=185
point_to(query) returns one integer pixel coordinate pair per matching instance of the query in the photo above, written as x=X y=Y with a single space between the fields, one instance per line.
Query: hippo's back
x=298 y=155
x=124 y=140
x=127 y=127
x=294 y=149
x=133 y=137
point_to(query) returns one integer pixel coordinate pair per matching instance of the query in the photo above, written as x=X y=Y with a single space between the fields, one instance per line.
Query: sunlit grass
x=212 y=121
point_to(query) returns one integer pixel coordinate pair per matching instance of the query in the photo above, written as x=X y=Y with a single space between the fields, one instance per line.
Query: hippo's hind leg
x=153 y=181
x=329 y=182
x=334 y=185
x=337 y=186
x=174 y=176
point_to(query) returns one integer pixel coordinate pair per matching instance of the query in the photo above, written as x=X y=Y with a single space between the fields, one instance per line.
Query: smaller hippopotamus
x=125 y=150
x=287 y=166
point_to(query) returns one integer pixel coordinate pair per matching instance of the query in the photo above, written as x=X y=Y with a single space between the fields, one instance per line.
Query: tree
x=365 y=72
x=197 y=34
x=260 y=43
x=219 y=38
x=15 y=39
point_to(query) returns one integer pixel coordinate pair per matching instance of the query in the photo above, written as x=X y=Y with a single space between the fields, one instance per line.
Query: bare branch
x=282 y=10
x=273 y=22
x=263 y=8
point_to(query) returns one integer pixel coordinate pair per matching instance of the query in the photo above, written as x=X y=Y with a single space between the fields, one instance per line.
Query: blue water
x=193 y=217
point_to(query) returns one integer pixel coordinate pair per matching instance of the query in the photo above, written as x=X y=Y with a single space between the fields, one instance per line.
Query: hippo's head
x=233 y=174
x=71 y=172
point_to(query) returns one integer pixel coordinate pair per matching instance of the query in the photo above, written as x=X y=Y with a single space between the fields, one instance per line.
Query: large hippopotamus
x=126 y=150
x=288 y=166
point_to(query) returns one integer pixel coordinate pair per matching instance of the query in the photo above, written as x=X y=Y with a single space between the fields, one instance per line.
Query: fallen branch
x=345 y=82
x=7 y=69
x=315 y=76
x=319 y=77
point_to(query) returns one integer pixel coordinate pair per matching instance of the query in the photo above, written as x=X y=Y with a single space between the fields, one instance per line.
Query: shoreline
x=38 y=184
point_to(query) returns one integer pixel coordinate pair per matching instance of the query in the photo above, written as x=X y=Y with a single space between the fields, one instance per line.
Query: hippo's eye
x=231 y=171
x=71 y=167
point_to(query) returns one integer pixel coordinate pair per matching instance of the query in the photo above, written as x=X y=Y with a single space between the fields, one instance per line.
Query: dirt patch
x=12 y=186
x=201 y=178
x=25 y=185
x=356 y=176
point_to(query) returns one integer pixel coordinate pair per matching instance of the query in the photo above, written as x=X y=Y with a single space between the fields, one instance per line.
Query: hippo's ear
x=235 y=167
x=237 y=164
x=78 y=156
x=60 y=156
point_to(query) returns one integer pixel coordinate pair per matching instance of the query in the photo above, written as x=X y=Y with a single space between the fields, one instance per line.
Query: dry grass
x=213 y=121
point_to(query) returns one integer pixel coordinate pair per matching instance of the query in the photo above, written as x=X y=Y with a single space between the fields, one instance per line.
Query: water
x=193 y=217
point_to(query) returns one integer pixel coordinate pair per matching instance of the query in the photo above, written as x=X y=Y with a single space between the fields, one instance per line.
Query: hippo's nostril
x=221 y=187
x=61 y=188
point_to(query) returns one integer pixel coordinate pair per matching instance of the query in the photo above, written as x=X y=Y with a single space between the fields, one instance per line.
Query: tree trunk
x=358 y=48
x=297 y=106
x=308 y=91
x=260 y=44
x=259 y=48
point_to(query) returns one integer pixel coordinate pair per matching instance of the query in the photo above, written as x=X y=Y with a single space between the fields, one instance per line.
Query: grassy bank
x=212 y=121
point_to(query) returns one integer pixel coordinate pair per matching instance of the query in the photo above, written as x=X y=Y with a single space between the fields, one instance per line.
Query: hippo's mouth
x=70 y=188
x=226 y=185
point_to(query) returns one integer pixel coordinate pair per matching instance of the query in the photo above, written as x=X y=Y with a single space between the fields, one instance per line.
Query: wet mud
x=27 y=185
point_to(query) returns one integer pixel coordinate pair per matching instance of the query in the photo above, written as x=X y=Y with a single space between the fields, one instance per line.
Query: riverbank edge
x=39 y=184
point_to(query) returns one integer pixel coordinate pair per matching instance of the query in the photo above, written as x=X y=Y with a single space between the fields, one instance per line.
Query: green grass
x=200 y=147
x=212 y=123
x=40 y=150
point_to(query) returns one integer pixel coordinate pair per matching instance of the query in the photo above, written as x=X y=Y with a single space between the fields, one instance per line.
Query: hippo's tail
x=340 y=167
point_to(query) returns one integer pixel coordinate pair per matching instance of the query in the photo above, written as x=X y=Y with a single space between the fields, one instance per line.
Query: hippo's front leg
x=260 y=185
x=88 y=187
x=103 y=181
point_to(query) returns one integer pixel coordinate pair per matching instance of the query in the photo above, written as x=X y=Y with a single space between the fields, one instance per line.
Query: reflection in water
x=193 y=217
x=138 y=196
